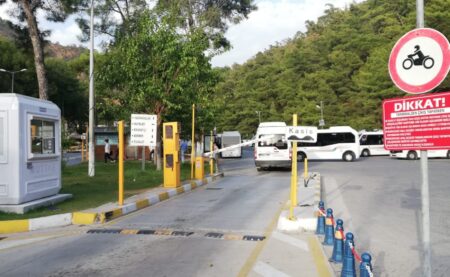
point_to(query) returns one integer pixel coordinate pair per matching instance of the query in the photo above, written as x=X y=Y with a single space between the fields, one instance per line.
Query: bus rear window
x=278 y=141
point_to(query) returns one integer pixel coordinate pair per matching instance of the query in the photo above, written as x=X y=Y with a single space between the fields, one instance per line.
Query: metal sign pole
x=420 y=23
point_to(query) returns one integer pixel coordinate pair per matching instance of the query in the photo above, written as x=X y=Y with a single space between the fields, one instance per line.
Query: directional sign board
x=143 y=130
x=301 y=134
x=420 y=60
x=419 y=123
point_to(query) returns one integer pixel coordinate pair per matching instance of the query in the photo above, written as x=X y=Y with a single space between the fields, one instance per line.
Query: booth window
x=42 y=136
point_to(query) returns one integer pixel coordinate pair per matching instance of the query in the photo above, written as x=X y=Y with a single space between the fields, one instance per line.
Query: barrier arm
x=236 y=146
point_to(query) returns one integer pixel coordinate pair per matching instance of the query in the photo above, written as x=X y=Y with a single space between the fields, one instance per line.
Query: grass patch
x=90 y=192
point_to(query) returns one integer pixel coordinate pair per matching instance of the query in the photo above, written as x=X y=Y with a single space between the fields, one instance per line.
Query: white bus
x=229 y=139
x=274 y=151
x=415 y=154
x=372 y=143
x=340 y=142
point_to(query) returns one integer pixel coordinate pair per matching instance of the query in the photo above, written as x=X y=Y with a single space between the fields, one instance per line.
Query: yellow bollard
x=121 y=149
x=211 y=149
x=294 y=175
x=305 y=174
x=193 y=142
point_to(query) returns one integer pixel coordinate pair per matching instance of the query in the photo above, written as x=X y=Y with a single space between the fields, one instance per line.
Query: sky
x=274 y=21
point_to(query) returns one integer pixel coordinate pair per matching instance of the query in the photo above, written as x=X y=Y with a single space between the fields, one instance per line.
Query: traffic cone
x=320 y=229
x=338 y=249
x=348 y=263
x=365 y=268
x=329 y=228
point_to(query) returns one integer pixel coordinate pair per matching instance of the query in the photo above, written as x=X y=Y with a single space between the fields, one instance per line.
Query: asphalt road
x=243 y=203
x=379 y=200
x=377 y=197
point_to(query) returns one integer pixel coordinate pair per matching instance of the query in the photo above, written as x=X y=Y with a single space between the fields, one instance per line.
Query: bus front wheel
x=348 y=156
x=365 y=153
x=412 y=155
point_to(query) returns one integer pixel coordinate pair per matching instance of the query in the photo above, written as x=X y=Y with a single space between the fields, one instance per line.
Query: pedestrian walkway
x=291 y=248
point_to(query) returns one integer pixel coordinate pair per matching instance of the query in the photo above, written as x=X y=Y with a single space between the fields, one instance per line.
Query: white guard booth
x=30 y=149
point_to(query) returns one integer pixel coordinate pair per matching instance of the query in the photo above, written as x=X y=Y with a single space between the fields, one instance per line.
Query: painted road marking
x=268 y=271
x=249 y=264
x=291 y=240
x=322 y=266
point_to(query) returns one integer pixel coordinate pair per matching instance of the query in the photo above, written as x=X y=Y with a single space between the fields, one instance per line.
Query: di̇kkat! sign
x=420 y=123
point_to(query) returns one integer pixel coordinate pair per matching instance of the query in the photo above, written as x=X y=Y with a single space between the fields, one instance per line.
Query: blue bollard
x=348 y=263
x=329 y=228
x=365 y=268
x=338 y=249
x=320 y=229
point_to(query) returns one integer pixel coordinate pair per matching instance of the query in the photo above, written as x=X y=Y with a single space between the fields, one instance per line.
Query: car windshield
x=277 y=140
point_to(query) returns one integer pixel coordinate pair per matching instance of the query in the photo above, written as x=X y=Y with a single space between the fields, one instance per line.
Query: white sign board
x=143 y=130
x=301 y=134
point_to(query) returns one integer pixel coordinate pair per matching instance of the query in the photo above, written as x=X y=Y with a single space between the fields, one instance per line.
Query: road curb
x=88 y=218
x=306 y=212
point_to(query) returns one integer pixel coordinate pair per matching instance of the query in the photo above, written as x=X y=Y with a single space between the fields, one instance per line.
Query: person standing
x=183 y=147
x=107 y=150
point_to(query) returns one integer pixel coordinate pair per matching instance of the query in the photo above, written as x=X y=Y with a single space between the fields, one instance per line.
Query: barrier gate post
x=121 y=149
x=294 y=174
x=171 y=141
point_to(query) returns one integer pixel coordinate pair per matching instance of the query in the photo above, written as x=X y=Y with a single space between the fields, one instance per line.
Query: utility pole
x=91 y=169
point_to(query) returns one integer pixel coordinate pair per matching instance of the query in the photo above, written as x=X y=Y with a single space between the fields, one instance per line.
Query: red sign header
x=417 y=123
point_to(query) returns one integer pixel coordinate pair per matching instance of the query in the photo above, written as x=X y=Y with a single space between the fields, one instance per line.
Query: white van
x=274 y=151
x=229 y=139
x=372 y=143
x=415 y=154
x=340 y=142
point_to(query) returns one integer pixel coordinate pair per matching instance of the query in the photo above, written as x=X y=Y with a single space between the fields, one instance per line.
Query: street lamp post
x=259 y=116
x=321 y=121
x=12 y=76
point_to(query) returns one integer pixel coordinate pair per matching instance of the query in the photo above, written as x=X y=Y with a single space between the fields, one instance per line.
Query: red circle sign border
x=442 y=74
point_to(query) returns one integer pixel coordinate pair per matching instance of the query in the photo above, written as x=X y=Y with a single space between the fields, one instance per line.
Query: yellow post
x=294 y=175
x=121 y=148
x=193 y=142
x=211 y=149
x=305 y=174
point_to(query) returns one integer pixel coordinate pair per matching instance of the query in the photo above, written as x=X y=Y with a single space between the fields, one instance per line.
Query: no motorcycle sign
x=420 y=60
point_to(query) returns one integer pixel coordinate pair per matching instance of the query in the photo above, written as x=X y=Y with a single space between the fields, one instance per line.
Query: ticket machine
x=30 y=149
x=171 y=144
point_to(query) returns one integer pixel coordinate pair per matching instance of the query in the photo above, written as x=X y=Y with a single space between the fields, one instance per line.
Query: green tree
x=55 y=11
x=155 y=70
x=211 y=17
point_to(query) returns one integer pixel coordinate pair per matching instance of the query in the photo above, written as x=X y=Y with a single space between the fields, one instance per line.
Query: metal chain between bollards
x=354 y=252
x=369 y=270
x=322 y=212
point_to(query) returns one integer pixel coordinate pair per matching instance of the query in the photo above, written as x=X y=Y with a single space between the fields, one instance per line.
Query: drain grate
x=169 y=232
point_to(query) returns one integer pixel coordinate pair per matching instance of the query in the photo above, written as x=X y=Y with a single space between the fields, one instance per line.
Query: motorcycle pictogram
x=421 y=59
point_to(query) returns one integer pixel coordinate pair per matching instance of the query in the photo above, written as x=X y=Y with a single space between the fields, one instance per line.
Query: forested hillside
x=341 y=60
